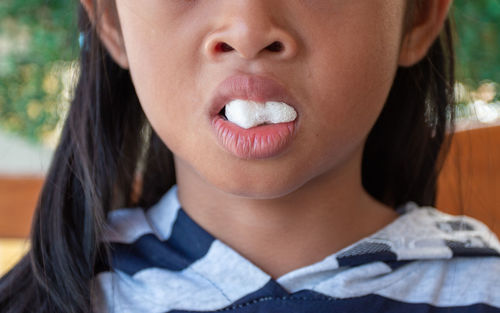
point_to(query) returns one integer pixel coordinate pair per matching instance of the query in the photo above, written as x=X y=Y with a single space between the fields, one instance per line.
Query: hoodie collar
x=166 y=237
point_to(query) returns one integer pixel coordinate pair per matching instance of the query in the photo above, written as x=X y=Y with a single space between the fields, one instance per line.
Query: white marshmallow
x=247 y=114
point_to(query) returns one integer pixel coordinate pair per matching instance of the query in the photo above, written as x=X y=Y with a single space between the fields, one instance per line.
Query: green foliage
x=38 y=42
x=478 y=47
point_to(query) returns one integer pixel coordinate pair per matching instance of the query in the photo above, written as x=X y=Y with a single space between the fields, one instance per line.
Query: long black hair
x=107 y=143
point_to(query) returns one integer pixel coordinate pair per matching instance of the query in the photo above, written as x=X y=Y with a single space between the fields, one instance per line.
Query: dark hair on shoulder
x=101 y=152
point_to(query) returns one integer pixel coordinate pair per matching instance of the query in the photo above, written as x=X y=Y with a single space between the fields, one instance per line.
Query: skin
x=338 y=60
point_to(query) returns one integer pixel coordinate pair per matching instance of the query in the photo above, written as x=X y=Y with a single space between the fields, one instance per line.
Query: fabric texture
x=424 y=261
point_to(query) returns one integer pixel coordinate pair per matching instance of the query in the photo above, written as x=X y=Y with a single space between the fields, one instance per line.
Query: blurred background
x=39 y=47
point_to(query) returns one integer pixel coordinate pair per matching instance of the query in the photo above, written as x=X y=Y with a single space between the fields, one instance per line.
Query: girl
x=282 y=146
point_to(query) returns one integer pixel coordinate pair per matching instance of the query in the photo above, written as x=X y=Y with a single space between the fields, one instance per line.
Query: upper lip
x=248 y=87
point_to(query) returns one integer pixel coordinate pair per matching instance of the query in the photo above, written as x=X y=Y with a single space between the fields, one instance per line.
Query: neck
x=281 y=234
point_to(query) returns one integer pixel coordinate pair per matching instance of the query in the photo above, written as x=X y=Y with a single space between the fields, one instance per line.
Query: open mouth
x=248 y=114
x=260 y=141
x=222 y=113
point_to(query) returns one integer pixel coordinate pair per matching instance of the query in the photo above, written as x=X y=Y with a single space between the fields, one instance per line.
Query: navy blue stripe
x=394 y=265
x=310 y=301
x=366 y=252
x=355 y=260
x=189 y=238
x=188 y=243
x=102 y=262
x=462 y=249
x=272 y=288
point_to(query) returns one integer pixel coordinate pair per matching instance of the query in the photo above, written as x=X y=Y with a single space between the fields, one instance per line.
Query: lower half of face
x=337 y=61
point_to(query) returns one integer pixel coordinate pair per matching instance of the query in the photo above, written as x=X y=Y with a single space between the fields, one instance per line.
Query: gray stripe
x=162 y=216
x=213 y=282
x=456 y=282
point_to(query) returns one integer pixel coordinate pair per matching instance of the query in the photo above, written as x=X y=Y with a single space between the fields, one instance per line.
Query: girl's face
x=336 y=59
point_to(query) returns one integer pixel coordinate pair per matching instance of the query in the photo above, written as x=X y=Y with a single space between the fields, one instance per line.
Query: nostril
x=223 y=47
x=275 y=47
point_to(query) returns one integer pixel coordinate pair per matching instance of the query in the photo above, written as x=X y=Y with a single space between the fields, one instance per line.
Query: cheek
x=162 y=67
x=155 y=76
x=353 y=70
x=350 y=77
x=351 y=95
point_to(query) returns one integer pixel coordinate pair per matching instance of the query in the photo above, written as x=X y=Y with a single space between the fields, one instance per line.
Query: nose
x=249 y=29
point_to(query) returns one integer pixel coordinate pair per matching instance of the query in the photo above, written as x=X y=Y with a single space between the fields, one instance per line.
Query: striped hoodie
x=424 y=261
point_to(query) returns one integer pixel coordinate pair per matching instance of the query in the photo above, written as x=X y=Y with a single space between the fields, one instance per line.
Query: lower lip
x=259 y=142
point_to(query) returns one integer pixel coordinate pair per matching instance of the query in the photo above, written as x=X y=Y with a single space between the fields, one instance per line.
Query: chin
x=263 y=188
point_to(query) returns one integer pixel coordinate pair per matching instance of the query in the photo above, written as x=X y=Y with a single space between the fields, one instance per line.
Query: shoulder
x=433 y=233
x=453 y=261
x=461 y=281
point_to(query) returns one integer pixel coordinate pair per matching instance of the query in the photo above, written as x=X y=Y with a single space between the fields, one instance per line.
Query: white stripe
x=162 y=215
x=416 y=235
x=309 y=276
x=155 y=290
x=213 y=282
x=232 y=273
x=456 y=282
x=357 y=281
x=126 y=225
